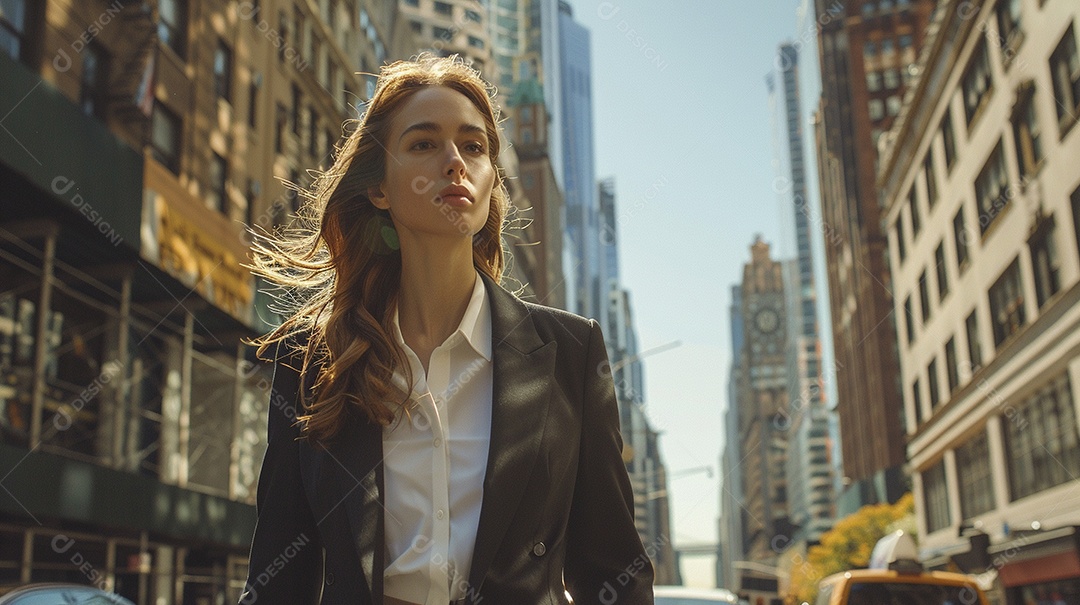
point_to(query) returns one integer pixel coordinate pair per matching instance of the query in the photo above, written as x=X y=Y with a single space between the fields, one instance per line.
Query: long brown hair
x=338 y=268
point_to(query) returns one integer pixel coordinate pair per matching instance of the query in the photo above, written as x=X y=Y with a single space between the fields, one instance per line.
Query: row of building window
x=871 y=8
x=1007 y=305
x=993 y=191
x=887 y=46
x=1041 y=444
x=977 y=82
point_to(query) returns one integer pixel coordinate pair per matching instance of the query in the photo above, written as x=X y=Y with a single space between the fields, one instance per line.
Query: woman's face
x=439 y=178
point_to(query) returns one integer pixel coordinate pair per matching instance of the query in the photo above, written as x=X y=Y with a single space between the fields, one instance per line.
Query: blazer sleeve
x=286 y=552
x=605 y=560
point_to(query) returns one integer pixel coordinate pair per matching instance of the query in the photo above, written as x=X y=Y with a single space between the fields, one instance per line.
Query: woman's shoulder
x=555 y=321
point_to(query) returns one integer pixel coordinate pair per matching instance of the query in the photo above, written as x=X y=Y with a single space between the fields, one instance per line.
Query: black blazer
x=557 y=500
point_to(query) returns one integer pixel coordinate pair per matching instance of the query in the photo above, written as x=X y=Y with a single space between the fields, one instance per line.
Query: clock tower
x=762 y=396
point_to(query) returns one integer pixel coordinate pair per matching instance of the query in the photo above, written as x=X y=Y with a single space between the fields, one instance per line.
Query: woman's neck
x=436 y=285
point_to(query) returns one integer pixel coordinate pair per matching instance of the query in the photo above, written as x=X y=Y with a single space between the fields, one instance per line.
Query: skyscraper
x=809 y=471
x=761 y=396
x=584 y=291
x=867 y=51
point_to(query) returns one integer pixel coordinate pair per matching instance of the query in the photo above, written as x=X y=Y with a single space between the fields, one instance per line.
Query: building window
x=172 y=24
x=876 y=109
x=1010 y=34
x=916 y=400
x=94 y=81
x=1076 y=215
x=936 y=497
x=971 y=324
x=901 y=245
x=873 y=81
x=1065 y=73
x=417 y=27
x=893 y=105
x=281 y=126
x=1007 y=303
x=924 y=296
x=977 y=84
x=283 y=29
x=298 y=29
x=253 y=101
x=1026 y=132
x=932 y=384
x=942 y=271
x=442 y=33
x=913 y=206
x=975 y=477
x=952 y=369
x=948 y=137
x=1041 y=441
x=992 y=189
x=869 y=47
x=251 y=195
x=909 y=320
x=931 y=178
x=471 y=15
x=892 y=78
x=444 y=8
x=906 y=41
x=476 y=42
x=219 y=175
x=165 y=137
x=412 y=2
x=1045 y=264
x=296 y=109
x=13 y=27
x=960 y=238
x=887 y=46
x=313 y=127
x=222 y=70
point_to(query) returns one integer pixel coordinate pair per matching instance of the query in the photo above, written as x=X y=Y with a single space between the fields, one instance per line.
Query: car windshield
x=896 y=593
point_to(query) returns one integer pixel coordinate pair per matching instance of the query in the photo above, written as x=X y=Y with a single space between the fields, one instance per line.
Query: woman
x=497 y=477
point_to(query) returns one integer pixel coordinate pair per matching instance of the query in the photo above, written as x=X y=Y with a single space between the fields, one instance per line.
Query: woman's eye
x=420 y=145
x=475 y=147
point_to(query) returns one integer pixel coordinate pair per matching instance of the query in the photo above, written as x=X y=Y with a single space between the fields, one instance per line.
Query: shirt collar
x=475 y=325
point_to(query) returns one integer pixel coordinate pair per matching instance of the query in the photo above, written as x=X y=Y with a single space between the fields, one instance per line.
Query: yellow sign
x=185 y=245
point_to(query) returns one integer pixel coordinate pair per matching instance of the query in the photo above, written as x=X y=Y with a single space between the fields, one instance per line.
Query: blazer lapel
x=522 y=372
x=360 y=472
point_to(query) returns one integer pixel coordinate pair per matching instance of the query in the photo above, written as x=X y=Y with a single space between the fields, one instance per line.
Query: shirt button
x=440 y=514
x=539 y=549
x=437 y=443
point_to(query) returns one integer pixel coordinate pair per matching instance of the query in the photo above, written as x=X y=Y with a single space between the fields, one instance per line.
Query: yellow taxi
x=896 y=577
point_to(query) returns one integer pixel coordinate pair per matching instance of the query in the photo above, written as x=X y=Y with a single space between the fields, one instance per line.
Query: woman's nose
x=455 y=165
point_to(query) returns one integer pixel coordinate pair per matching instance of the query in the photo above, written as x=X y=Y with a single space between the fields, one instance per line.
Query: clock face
x=767 y=320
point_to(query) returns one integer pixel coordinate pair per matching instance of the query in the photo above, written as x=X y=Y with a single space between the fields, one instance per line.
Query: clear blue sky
x=682 y=123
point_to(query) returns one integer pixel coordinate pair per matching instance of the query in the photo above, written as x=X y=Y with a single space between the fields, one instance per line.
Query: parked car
x=61 y=594
x=681 y=595
x=896 y=577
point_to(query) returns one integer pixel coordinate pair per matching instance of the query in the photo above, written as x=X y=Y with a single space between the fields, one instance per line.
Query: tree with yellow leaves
x=848 y=545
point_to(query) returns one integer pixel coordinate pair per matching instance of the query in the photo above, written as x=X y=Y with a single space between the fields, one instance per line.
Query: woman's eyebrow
x=433 y=127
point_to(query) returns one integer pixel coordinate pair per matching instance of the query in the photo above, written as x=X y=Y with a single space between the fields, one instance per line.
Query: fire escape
x=132 y=82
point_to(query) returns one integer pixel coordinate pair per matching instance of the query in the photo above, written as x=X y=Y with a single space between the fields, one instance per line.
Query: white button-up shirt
x=435 y=462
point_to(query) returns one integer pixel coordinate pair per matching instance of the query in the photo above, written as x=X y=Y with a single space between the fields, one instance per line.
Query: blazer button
x=539 y=549
x=329 y=578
